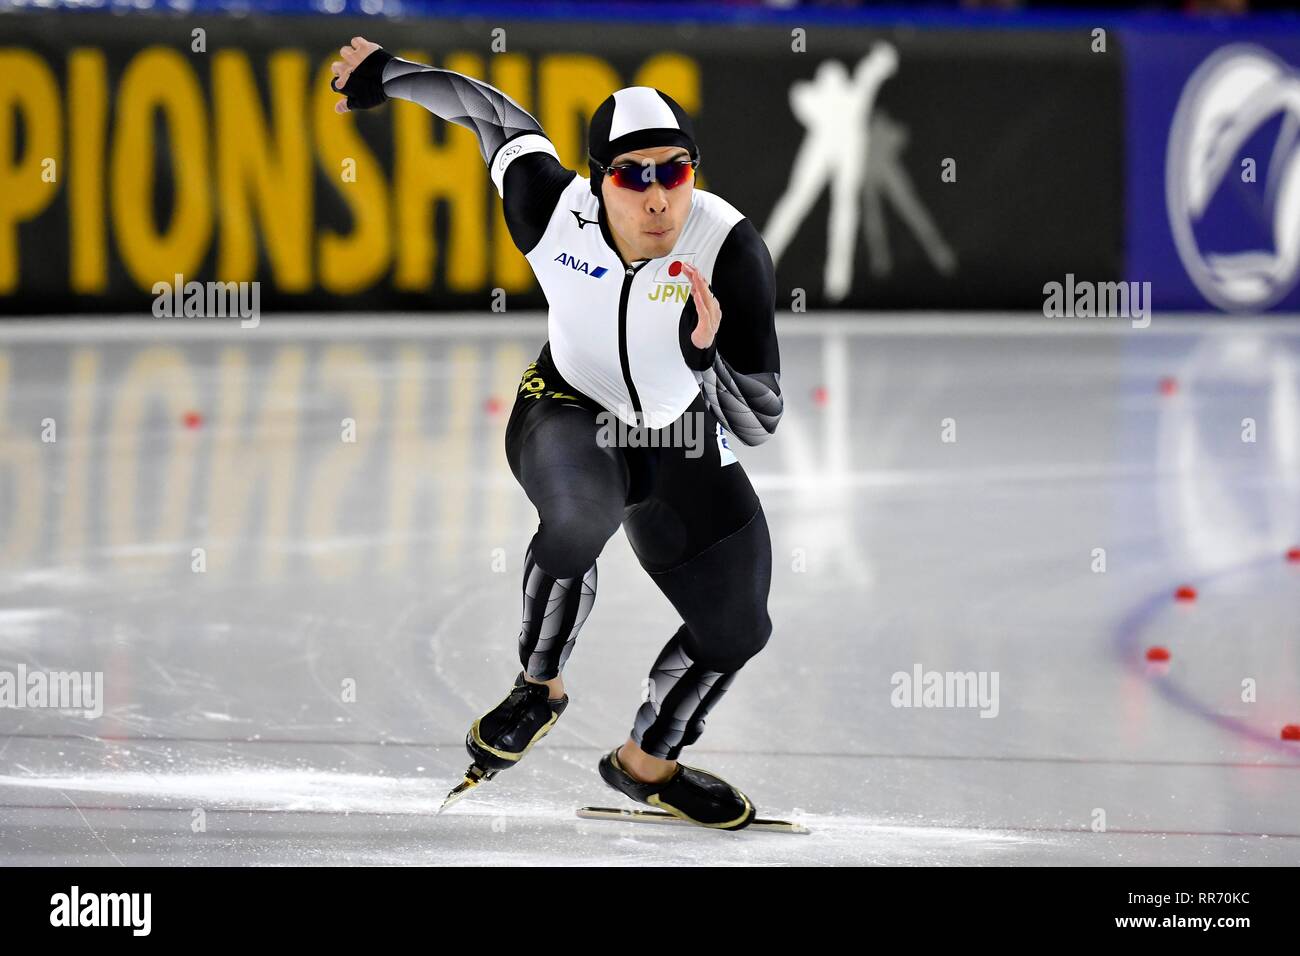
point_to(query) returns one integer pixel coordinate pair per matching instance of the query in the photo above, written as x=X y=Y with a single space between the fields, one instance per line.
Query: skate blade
x=659 y=816
x=473 y=777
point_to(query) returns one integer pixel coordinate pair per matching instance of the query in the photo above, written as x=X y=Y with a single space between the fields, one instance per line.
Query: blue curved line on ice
x=1128 y=637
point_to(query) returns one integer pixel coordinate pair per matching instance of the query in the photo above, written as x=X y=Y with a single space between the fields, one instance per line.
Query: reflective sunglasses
x=639 y=177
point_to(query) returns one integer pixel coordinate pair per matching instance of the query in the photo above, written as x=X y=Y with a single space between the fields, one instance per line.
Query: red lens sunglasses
x=639 y=176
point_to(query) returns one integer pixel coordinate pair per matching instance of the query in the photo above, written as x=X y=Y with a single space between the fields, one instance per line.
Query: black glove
x=365 y=86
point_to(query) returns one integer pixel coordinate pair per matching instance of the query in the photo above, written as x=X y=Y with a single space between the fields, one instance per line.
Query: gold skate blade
x=473 y=777
x=659 y=816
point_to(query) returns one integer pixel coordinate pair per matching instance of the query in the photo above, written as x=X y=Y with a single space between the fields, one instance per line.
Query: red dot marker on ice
x=1168 y=385
x=819 y=395
x=192 y=419
x=492 y=405
x=1293 y=555
x=1185 y=593
x=1291 y=732
x=1157 y=653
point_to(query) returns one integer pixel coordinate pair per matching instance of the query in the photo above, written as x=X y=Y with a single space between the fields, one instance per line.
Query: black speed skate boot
x=499 y=739
x=695 y=795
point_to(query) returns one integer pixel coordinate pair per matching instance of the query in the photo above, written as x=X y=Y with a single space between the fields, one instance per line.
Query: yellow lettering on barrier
x=87 y=129
x=572 y=86
x=426 y=174
x=160 y=79
x=258 y=170
x=252 y=150
x=676 y=74
x=351 y=262
x=30 y=96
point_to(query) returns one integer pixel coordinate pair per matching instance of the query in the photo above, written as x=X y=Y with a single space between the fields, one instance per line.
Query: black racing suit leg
x=702 y=536
x=579 y=489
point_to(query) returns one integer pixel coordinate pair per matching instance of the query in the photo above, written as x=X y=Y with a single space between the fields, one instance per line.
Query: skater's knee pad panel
x=733 y=641
x=573 y=532
x=721 y=595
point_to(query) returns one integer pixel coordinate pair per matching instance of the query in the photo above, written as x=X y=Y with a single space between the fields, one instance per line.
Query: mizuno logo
x=583 y=222
x=578 y=265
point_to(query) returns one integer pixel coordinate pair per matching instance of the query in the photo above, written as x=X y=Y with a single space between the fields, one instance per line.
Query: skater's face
x=646 y=224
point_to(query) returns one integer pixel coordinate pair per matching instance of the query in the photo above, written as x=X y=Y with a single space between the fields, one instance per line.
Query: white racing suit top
x=620 y=332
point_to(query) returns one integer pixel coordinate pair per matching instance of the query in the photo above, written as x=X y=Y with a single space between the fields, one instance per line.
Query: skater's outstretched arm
x=737 y=362
x=368 y=75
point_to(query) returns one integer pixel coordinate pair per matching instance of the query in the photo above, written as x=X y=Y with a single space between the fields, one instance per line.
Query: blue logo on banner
x=1214 y=169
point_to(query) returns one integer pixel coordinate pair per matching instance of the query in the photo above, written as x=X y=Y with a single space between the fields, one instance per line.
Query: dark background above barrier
x=229 y=164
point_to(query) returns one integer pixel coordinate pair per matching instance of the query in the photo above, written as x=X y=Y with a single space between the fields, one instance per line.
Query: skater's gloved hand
x=706 y=307
x=360 y=75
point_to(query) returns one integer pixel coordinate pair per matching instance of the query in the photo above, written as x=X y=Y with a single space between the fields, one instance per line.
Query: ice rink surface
x=295 y=629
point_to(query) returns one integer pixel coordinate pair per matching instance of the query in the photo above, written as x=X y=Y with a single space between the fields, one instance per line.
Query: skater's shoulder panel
x=533 y=186
x=714 y=207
